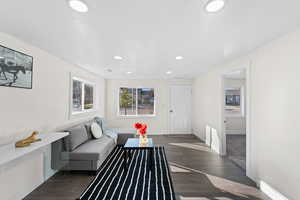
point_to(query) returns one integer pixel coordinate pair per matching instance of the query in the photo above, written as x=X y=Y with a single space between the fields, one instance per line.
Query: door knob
x=171 y=111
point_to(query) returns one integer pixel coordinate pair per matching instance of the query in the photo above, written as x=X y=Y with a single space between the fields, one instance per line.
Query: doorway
x=180 y=109
x=235 y=116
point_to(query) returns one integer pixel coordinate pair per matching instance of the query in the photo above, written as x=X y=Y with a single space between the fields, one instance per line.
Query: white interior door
x=180 y=109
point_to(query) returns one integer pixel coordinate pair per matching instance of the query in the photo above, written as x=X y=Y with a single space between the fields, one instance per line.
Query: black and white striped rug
x=137 y=183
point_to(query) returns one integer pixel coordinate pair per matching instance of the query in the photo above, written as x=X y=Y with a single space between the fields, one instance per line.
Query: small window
x=82 y=96
x=233 y=104
x=77 y=96
x=233 y=100
x=136 y=102
x=88 y=96
x=145 y=101
x=127 y=101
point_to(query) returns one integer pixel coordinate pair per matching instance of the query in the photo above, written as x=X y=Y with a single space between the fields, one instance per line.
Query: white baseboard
x=133 y=131
x=159 y=132
x=153 y=132
x=166 y=132
x=180 y=132
x=198 y=134
x=235 y=132
x=271 y=192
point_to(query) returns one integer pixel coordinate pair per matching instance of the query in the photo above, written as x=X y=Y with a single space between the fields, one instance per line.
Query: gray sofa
x=80 y=151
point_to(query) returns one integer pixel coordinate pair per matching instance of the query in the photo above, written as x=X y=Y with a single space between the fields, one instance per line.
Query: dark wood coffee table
x=134 y=144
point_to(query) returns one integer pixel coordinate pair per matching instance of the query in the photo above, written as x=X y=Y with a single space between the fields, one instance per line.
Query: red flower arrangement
x=142 y=128
x=138 y=125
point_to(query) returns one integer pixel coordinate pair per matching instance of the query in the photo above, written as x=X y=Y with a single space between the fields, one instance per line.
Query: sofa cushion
x=88 y=125
x=93 y=149
x=78 y=135
x=96 y=130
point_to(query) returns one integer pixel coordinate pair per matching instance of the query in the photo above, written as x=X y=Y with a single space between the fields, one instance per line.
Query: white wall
x=158 y=124
x=206 y=106
x=236 y=123
x=44 y=108
x=275 y=97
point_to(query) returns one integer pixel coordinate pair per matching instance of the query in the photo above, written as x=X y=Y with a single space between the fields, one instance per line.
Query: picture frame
x=16 y=68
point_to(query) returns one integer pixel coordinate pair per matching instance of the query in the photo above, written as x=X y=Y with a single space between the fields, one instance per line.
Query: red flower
x=138 y=125
x=144 y=126
x=143 y=129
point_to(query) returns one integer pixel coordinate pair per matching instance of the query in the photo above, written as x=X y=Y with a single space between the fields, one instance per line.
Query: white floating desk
x=10 y=152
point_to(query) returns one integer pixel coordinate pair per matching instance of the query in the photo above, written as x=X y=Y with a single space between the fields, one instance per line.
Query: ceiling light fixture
x=118 y=58
x=129 y=72
x=179 y=58
x=169 y=72
x=78 y=5
x=213 y=6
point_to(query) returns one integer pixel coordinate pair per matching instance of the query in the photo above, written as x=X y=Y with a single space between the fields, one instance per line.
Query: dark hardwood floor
x=197 y=173
x=236 y=149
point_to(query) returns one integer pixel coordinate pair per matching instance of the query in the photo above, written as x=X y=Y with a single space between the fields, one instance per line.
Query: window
x=145 y=101
x=77 y=96
x=82 y=96
x=127 y=101
x=136 y=102
x=233 y=101
x=88 y=96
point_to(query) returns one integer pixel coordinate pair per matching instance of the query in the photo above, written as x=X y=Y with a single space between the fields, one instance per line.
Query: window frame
x=136 y=104
x=83 y=82
x=242 y=95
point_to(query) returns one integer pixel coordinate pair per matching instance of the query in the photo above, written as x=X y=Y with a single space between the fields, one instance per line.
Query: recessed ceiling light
x=129 y=72
x=169 y=72
x=179 y=58
x=78 y=5
x=118 y=58
x=214 y=5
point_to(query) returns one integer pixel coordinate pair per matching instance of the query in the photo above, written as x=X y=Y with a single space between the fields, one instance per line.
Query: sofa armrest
x=65 y=156
x=58 y=161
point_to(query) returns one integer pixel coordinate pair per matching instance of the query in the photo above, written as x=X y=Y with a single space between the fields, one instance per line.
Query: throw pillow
x=96 y=130
x=78 y=136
